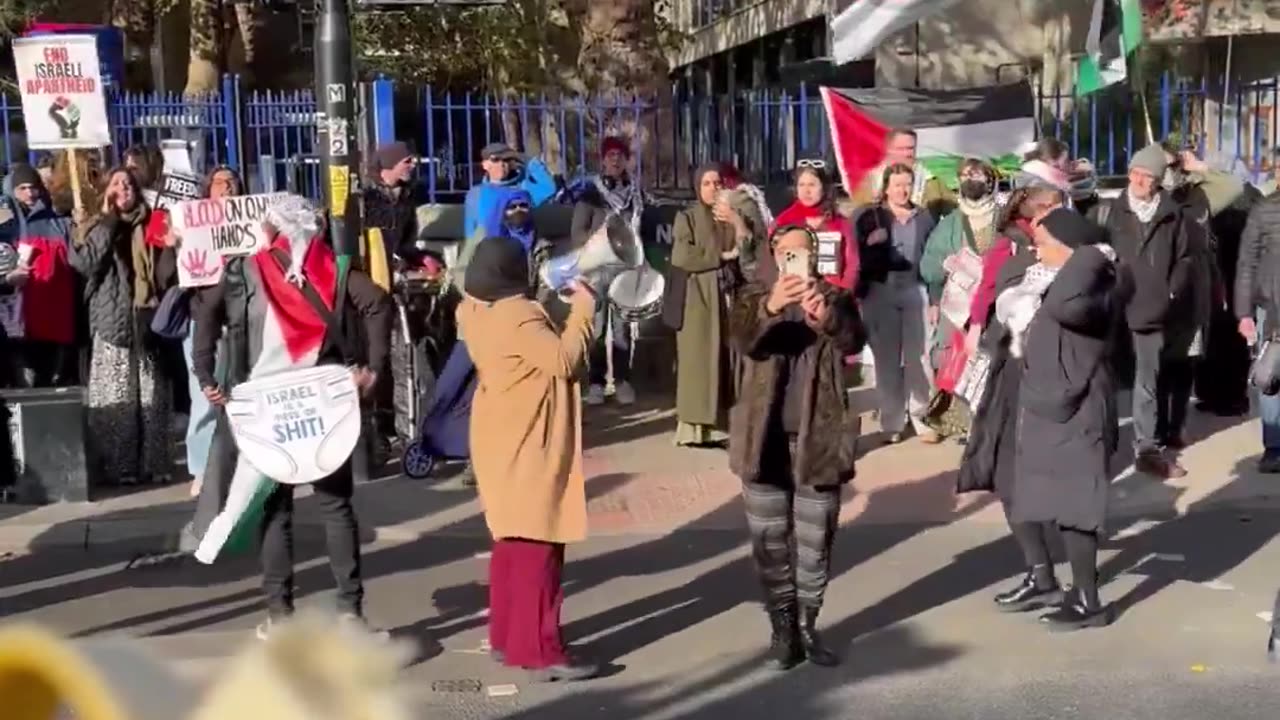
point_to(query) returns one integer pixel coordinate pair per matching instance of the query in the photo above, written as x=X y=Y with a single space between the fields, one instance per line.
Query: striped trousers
x=792 y=529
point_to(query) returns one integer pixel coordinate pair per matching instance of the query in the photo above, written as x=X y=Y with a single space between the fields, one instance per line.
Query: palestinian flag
x=1115 y=30
x=230 y=509
x=988 y=123
x=860 y=28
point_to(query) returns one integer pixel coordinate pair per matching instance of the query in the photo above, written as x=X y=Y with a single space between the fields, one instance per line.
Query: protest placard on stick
x=214 y=228
x=64 y=105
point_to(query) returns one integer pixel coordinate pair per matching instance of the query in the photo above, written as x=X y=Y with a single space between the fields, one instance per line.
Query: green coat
x=702 y=374
x=947 y=238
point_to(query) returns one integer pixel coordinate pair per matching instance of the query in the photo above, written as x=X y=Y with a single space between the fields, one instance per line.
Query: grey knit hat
x=1152 y=159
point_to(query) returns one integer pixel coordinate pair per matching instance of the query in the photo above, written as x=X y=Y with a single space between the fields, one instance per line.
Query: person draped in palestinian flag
x=927 y=191
x=269 y=304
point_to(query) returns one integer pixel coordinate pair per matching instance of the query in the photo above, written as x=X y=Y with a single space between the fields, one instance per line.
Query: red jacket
x=797 y=214
x=49 y=297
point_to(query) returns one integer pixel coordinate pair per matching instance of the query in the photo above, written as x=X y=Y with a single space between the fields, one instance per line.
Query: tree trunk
x=208 y=48
x=249 y=21
x=137 y=20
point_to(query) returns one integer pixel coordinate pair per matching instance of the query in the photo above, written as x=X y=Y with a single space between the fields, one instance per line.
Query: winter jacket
x=533 y=177
x=391 y=211
x=947 y=238
x=1155 y=263
x=105 y=261
x=1257 y=282
x=49 y=297
x=877 y=261
x=827 y=436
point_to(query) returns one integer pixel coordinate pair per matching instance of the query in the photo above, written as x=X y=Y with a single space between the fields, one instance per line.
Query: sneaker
x=358 y=622
x=595 y=395
x=1153 y=464
x=624 y=394
x=1269 y=465
x=263 y=631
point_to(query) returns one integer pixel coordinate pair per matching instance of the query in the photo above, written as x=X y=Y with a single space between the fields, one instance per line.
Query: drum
x=637 y=293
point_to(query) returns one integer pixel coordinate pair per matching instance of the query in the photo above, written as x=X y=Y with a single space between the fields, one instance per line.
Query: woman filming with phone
x=791 y=434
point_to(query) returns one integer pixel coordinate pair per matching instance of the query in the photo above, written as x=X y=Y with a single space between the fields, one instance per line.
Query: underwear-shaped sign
x=297 y=426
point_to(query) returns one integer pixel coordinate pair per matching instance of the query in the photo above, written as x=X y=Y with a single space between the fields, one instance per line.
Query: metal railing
x=270 y=136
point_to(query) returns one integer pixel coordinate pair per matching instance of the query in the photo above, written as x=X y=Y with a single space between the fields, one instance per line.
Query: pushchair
x=423 y=336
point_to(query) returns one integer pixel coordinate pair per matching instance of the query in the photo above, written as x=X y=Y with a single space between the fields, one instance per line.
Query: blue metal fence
x=270 y=136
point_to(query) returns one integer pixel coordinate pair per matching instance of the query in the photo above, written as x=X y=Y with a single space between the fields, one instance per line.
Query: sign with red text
x=211 y=229
x=63 y=101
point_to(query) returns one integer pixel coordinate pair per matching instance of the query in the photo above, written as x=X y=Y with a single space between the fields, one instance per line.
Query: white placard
x=63 y=101
x=213 y=228
x=297 y=426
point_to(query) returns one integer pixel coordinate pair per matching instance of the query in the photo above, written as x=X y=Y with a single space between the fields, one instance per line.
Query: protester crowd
x=1005 y=315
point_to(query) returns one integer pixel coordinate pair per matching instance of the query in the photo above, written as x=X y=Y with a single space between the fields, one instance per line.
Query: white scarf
x=1144 y=209
x=980 y=213
x=626 y=199
x=1017 y=306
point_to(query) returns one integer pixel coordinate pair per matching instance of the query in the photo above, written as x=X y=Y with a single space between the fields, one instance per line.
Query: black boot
x=785 y=651
x=1078 y=612
x=812 y=644
x=1038 y=589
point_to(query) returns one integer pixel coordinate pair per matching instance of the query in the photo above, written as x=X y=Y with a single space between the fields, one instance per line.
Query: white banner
x=861 y=27
x=210 y=229
x=63 y=102
x=297 y=426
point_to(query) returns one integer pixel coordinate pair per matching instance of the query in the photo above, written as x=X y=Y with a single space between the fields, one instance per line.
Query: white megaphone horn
x=612 y=246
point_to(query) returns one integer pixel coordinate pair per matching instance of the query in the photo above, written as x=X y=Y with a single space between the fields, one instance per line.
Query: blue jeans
x=203 y=415
x=1269 y=411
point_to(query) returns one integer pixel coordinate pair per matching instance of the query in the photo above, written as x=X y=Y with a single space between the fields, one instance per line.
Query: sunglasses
x=518 y=206
x=812 y=164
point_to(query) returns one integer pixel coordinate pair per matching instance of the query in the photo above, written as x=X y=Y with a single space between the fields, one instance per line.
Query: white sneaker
x=624 y=394
x=595 y=395
x=357 y=622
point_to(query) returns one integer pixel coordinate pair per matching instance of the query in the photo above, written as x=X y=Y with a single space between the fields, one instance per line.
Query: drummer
x=610 y=197
x=292 y=336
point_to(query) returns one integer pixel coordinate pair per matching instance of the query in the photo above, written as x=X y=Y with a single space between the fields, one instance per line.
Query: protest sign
x=63 y=101
x=213 y=228
x=175 y=187
x=297 y=426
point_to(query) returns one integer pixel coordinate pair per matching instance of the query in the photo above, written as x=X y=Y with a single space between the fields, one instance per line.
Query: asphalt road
x=678 y=619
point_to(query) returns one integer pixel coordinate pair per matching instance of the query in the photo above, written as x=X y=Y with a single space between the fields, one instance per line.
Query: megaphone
x=613 y=246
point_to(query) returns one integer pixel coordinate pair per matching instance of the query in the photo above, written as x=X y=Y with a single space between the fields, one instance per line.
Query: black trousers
x=45 y=364
x=342 y=540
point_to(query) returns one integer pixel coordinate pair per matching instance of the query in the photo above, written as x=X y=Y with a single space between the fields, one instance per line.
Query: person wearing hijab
x=707 y=239
x=529 y=475
x=814 y=208
x=989 y=460
x=272 y=327
x=792 y=436
x=129 y=406
x=1061 y=320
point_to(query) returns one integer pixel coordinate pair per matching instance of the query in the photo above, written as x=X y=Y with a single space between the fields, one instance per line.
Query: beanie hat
x=1152 y=159
x=1037 y=173
x=390 y=154
x=24 y=174
x=614 y=142
x=1071 y=228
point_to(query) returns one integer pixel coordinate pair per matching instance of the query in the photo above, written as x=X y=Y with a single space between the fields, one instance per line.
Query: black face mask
x=517 y=218
x=974 y=189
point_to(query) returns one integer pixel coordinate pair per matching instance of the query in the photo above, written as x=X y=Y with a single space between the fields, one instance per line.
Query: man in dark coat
x=1257 y=287
x=1068 y=425
x=1148 y=229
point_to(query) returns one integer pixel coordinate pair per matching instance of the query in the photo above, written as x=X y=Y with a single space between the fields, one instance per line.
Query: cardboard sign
x=298 y=426
x=211 y=229
x=175 y=188
x=63 y=101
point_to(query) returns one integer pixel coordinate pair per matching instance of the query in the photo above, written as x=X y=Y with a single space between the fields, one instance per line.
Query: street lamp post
x=336 y=129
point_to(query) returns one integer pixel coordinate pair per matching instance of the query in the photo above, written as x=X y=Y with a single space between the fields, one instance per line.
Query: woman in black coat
x=1067 y=421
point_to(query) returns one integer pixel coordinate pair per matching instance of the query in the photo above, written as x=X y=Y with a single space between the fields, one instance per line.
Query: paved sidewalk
x=638 y=482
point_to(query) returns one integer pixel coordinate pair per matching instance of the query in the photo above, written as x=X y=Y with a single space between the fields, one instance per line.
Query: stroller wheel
x=417 y=461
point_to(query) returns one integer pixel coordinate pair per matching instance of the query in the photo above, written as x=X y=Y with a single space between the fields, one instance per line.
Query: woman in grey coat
x=1067 y=424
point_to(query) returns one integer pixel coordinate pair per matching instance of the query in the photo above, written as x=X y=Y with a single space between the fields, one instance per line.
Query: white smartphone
x=796 y=262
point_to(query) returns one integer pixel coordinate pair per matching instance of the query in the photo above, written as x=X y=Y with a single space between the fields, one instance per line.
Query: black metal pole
x=336 y=119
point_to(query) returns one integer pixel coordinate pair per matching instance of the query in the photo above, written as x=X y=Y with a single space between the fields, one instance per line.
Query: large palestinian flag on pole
x=861 y=27
x=1115 y=31
x=987 y=123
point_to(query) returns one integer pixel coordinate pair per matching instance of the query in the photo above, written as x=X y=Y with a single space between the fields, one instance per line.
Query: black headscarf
x=499 y=269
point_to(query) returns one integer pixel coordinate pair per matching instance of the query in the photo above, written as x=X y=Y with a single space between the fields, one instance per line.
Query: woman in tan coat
x=526 y=450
